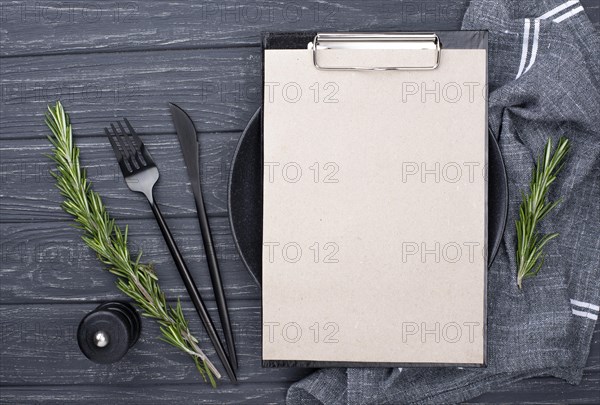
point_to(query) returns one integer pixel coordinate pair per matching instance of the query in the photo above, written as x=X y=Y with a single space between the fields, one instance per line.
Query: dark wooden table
x=106 y=60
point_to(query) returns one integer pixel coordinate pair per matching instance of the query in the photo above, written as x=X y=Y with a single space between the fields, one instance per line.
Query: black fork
x=141 y=174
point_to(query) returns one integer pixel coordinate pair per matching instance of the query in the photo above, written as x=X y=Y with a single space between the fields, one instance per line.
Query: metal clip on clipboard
x=411 y=51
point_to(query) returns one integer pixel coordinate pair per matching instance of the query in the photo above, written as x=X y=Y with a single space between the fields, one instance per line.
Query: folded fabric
x=544 y=82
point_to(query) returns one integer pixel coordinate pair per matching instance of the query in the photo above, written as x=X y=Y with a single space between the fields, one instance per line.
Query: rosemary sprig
x=101 y=234
x=530 y=245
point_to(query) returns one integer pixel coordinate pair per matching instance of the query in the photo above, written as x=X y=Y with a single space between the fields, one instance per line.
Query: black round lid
x=107 y=333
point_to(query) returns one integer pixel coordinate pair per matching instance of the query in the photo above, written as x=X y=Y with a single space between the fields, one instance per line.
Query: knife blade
x=186 y=132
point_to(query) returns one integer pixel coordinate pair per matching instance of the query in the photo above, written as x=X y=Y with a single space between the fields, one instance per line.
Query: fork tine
x=118 y=154
x=113 y=144
x=126 y=152
x=134 y=158
x=139 y=144
x=119 y=138
x=135 y=136
x=126 y=140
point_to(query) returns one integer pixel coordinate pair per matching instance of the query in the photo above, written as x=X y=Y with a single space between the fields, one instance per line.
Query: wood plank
x=220 y=88
x=48 y=262
x=544 y=390
x=39 y=347
x=28 y=191
x=255 y=393
x=84 y=27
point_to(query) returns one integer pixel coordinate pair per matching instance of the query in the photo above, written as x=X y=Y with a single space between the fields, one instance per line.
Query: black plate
x=245 y=197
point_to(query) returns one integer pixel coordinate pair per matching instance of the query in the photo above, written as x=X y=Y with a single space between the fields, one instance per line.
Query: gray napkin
x=544 y=82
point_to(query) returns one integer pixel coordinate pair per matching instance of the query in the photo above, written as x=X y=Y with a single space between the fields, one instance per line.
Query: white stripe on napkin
x=534 y=49
x=558 y=9
x=585 y=314
x=585 y=305
x=525 y=47
x=569 y=14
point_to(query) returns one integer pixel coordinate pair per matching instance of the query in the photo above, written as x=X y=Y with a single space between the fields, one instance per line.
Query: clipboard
x=374 y=199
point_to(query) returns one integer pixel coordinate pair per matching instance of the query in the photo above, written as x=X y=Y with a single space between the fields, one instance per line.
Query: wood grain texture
x=112 y=26
x=48 y=262
x=535 y=391
x=244 y=393
x=29 y=192
x=221 y=88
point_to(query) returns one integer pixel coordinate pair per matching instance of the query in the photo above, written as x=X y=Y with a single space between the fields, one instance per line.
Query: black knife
x=186 y=131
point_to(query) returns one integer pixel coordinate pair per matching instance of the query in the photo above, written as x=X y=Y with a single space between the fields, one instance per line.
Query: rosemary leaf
x=530 y=245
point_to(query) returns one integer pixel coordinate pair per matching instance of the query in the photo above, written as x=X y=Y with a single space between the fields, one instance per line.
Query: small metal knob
x=106 y=334
x=101 y=339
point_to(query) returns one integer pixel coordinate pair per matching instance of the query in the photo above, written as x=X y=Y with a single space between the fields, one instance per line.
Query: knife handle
x=215 y=276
